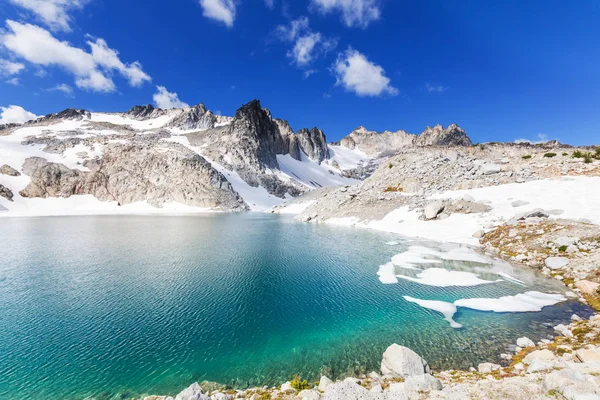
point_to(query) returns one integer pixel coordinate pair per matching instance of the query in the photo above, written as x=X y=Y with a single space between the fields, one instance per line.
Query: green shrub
x=597 y=151
x=587 y=158
x=299 y=384
x=565 y=154
x=562 y=249
x=526 y=157
x=550 y=155
x=578 y=154
x=390 y=165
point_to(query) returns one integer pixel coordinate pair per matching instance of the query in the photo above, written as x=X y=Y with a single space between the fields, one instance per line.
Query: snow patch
x=441 y=277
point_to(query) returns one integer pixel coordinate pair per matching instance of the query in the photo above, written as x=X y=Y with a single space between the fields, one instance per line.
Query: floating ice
x=447 y=309
x=523 y=302
x=387 y=273
x=441 y=277
x=393 y=243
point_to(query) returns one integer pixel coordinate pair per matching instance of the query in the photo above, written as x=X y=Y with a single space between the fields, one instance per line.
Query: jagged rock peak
x=314 y=144
x=438 y=136
x=69 y=113
x=142 y=111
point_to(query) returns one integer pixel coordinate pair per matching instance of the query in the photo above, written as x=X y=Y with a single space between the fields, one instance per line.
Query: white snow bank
x=295 y=208
x=577 y=198
x=523 y=302
x=447 y=309
x=346 y=158
x=89 y=205
x=310 y=173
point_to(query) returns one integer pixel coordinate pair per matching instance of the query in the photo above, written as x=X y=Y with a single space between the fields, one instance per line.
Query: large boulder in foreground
x=401 y=362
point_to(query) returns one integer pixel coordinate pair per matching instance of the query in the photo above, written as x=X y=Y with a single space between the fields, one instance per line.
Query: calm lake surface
x=114 y=307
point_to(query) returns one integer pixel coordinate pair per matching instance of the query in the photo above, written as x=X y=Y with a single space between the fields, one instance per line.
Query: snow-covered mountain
x=179 y=160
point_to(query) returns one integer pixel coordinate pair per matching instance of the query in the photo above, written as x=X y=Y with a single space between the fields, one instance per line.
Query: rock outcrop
x=129 y=173
x=6 y=193
x=8 y=170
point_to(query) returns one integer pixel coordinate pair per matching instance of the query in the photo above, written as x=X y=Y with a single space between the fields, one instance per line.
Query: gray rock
x=400 y=361
x=6 y=193
x=422 y=383
x=193 y=392
x=519 y=203
x=525 y=342
x=563 y=330
x=565 y=241
x=324 y=383
x=539 y=355
x=490 y=169
x=556 y=262
x=571 y=384
x=309 y=394
x=486 y=368
x=432 y=209
x=8 y=170
x=221 y=396
x=479 y=234
x=346 y=391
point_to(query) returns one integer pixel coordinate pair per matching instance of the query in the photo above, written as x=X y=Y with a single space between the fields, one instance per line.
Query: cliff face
x=313 y=143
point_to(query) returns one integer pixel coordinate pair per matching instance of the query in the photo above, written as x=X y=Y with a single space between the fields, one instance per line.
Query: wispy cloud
x=52 y=13
x=541 y=138
x=435 y=88
x=354 y=13
x=64 y=88
x=8 y=68
x=308 y=45
x=13 y=81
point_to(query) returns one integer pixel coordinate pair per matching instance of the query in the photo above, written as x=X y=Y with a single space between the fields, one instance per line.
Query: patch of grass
x=562 y=248
x=299 y=384
x=565 y=154
x=526 y=157
x=577 y=154
x=587 y=159
x=393 y=189
x=549 y=155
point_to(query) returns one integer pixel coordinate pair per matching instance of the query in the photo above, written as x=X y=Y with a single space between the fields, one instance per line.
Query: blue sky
x=502 y=70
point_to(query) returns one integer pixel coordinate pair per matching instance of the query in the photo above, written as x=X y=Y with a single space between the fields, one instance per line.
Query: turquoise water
x=114 y=307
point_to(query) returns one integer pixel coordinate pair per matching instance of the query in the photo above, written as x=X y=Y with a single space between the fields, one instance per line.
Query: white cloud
x=13 y=81
x=357 y=74
x=310 y=72
x=165 y=99
x=15 y=115
x=435 y=89
x=355 y=13
x=91 y=70
x=308 y=45
x=541 y=138
x=63 y=87
x=270 y=3
x=109 y=59
x=10 y=68
x=219 y=10
x=53 y=13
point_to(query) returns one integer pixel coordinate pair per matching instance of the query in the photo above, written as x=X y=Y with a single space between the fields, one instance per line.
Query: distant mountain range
x=149 y=159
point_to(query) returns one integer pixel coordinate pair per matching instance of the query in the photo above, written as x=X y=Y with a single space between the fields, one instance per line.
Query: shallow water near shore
x=115 y=307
